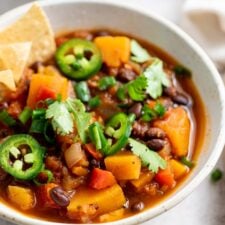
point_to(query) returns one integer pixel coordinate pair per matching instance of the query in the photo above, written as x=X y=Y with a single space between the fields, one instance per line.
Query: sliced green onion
x=187 y=162
x=94 y=102
x=106 y=82
x=82 y=91
x=121 y=93
x=37 y=126
x=6 y=119
x=38 y=113
x=97 y=136
x=49 y=133
x=131 y=117
x=25 y=115
x=216 y=175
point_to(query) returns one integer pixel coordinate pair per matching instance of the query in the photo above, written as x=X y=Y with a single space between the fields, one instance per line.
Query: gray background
x=205 y=206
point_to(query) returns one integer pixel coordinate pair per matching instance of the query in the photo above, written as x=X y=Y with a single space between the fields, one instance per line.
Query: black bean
x=139 y=129
x=138 y=206
x=59 y=196
x=95 y=163
x=156 y=144
x=126 y=75
x=180 y=98
x=155 y=132
x=136 y=109
x=170 y=91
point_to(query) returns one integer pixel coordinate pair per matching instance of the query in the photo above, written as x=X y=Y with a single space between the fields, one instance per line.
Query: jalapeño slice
x=78 y=59
x=21 y=156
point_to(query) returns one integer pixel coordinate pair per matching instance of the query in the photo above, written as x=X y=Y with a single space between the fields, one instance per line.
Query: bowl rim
x=166 y=204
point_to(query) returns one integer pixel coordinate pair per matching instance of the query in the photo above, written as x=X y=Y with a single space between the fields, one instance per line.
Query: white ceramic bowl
x=121 y=15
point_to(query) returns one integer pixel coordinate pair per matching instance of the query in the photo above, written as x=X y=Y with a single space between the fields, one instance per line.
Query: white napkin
x=204 y=20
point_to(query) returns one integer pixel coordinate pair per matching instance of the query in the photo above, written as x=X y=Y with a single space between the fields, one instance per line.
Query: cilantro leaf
x=81 y=118
x=136 y=88
x=148 y=157
x=61 y=120
x=156 y=78
x=149 y=114
x=140 y=54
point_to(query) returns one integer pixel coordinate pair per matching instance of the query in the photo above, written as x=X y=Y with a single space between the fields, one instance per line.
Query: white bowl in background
x=128 y=18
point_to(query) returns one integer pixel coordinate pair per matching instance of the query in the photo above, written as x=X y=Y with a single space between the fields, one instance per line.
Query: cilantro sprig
x=149 y=114
x=149 y=158
x=150 y=82
x=61 y=120
x=80 y=116
x=63 y=116
x=156 y=78
x=139 y=54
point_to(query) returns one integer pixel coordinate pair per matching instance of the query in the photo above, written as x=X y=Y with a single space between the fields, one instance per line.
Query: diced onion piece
x=73 y=154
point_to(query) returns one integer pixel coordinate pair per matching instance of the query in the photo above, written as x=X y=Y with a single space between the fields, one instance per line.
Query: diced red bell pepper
x=45 y=93
x=90 y=148
x=165 y=177
x=101 y=179
x=43 y=196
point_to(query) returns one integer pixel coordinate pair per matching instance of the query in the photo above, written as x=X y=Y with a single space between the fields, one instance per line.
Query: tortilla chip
x=32 y=27
x=6 y=78
x=15 y=57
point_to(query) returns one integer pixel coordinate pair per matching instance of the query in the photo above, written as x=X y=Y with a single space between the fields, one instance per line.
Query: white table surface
x=205 y=206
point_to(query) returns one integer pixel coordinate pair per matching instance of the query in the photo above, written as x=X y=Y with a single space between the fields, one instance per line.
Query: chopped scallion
x=38 y=114
x=49 y=133
x=94 y=102
x=97 y=136
x=25 y=115
x=37 y=126
x=106 y=82
x=6 y=119
x=82 y=91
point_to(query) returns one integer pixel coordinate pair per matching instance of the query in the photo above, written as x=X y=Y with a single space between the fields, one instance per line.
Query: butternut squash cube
x=22 y=197
x=112 y=216
x=176 y=125
x=124 y=166
x=102 y=200
x=179 y=170
x=115 y=50
x=145 y=178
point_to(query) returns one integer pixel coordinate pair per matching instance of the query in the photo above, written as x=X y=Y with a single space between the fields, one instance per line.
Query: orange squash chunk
x=176 y=124
x=115 y=50
x=57 y=84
